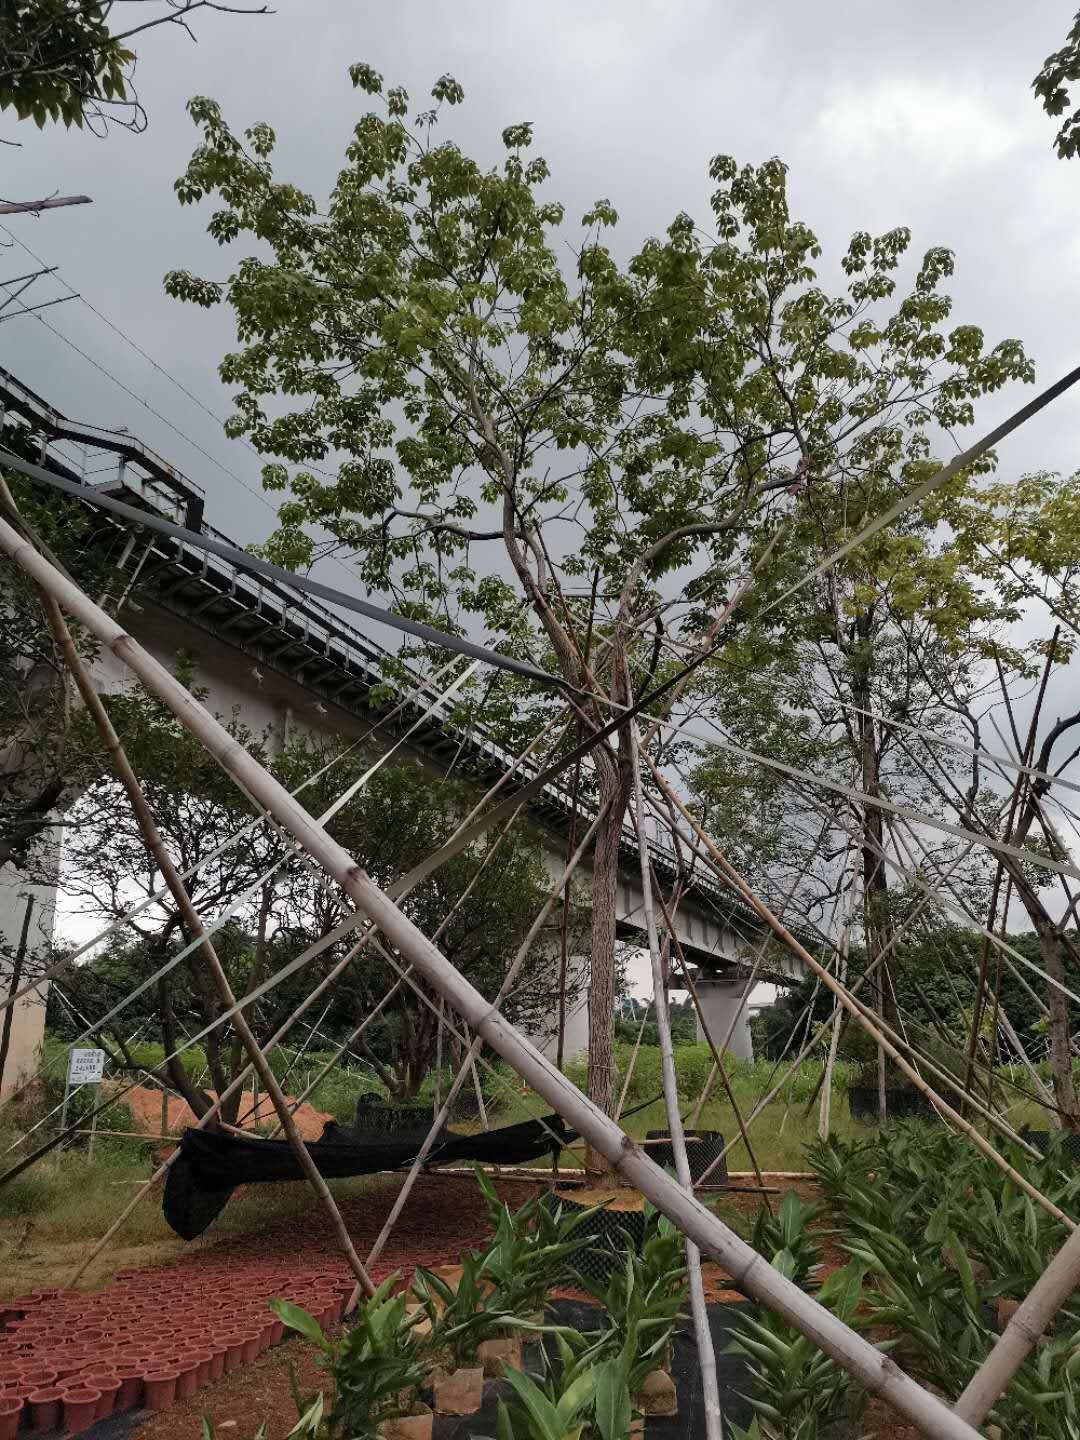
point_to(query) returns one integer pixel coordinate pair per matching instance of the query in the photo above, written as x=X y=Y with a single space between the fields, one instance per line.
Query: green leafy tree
x=513 y=427
x=47 y=749
x=67 y=61
x=1051 y=85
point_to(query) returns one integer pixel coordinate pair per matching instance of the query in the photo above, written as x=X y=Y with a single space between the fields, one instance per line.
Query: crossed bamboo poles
x=701 y=1227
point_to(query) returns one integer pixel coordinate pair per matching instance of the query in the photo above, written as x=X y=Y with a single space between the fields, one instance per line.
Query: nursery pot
x=702 y=1148
x=1070 y=1143
x=131 y=1387
x=901 y=1101
x=109 y=1386
x=407 y=1427
x=80 y=1408
x=45 y=1409
x=613 y=1231
x=460 y=1393
x=160 y=1389
x=10 y=1413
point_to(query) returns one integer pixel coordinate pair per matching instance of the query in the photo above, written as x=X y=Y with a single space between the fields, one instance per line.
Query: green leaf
x=963 y=1269
x=299 y=1320
x=612 y=1400
x=541 y=1411
x=504 y=1430
x=578 y=1394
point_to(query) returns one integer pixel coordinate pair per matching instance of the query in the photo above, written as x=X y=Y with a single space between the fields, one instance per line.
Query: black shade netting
x=901 y=1102
x=211 y=1164
x=1046 y=1141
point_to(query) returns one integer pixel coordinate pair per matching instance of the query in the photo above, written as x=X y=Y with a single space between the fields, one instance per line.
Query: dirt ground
x=239 y=1402
x=145 y=1107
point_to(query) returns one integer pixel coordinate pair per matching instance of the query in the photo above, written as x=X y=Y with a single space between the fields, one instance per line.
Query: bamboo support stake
x=714 y=1419
x=718 y=1059
x=879 y=1374
x=745 y=998
x=194 y=925
x=236 y=1084
x=834 y=1038
x=474 y=1048
x=1046 y=1297
x=275 y=1040
x=857 y=1010
x=633 y=1062
x=351 y=1039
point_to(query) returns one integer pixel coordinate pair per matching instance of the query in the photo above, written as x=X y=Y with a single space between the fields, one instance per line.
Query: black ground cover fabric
x=212 y=1164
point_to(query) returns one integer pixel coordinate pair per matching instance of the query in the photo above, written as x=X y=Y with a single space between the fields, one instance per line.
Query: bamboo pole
x=193 y=923
x=859 y=1011
x=714 y=1419
x=290 y=1020
x=474 y=1047
x=877 y=1372
x=633 y=1062
x=718 y=1059
x=237 y=1083
x=824 y=1026
x=759 y=956
x=1020 y=1336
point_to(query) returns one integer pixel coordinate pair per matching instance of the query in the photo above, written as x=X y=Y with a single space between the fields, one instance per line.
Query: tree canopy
x=1059 y=71
x=67 y=60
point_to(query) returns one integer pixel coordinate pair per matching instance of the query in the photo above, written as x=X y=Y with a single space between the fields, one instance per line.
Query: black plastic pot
x=702 y=1148
x=1041 y=1139
x=375 y=1118
x=900 y=1103
x=613 y=1229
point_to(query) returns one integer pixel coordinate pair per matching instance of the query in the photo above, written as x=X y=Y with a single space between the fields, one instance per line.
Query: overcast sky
x=917 y=114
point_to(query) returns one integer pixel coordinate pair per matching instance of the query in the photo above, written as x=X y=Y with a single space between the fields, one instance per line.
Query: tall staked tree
x=512 y=420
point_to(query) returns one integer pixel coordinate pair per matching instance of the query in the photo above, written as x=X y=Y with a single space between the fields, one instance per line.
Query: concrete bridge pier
x=720 y=999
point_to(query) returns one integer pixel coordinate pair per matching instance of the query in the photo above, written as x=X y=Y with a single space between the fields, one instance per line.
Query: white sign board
x=85 y=1067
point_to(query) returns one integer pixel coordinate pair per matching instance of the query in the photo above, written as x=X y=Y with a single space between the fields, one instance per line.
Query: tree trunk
x=1057 y=1003
x=1052 y=947
x=605 y=886
x=875 y=881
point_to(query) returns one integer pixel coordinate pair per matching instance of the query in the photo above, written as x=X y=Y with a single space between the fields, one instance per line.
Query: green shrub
x=28 y=1194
